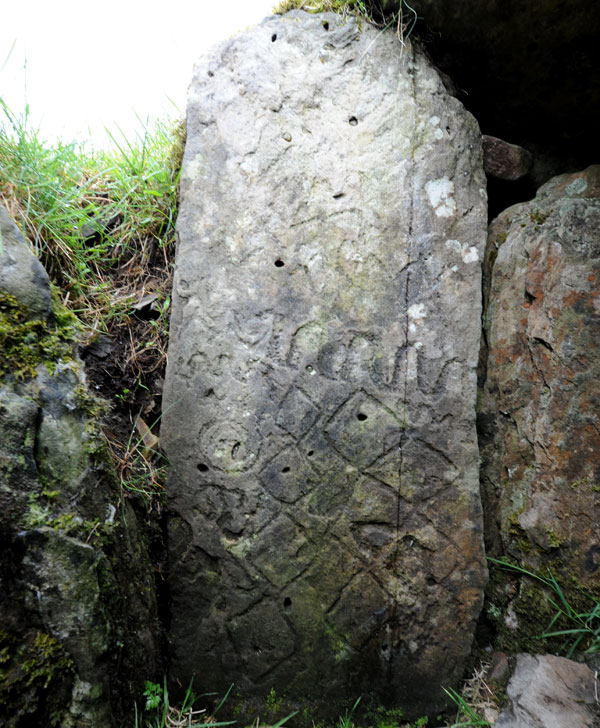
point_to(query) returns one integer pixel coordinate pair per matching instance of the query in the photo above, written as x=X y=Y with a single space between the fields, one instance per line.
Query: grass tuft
x=371 y=11
x=581 y=631
x=103 y=225
x=466 y=714
x=159 y=713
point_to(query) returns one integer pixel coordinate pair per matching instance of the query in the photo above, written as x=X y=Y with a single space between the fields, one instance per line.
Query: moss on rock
x=36 y=676
x=26 y=343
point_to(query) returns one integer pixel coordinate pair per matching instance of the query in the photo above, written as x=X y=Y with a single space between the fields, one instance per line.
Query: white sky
x=83 y=65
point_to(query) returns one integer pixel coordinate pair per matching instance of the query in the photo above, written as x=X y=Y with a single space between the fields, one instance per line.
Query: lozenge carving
x=325 y=524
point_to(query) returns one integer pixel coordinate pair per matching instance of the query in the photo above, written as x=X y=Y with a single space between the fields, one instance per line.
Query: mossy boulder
x=77 y=606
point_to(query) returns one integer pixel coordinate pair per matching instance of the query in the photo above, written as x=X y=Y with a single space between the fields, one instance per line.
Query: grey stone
x=21 y=273
x=546 y=691
x=540 y=442
x=325 y=524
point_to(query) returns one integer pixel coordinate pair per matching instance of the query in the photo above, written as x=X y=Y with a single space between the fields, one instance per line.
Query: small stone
x=503 y=160
x=287 y=136
x=499 y=667
x=550 y=692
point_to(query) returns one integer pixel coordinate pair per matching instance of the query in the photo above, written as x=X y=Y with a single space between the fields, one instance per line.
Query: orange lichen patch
x=562 y=457
x=543 y=269
x=586 y=295
x=508 y=354
x=574 y=298
x=590 y=401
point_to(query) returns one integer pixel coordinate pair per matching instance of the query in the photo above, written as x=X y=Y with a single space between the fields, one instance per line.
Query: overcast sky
x=85 y=65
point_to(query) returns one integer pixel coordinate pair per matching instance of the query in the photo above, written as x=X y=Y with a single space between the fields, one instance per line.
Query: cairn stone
x=539 y=408
x=325 y=527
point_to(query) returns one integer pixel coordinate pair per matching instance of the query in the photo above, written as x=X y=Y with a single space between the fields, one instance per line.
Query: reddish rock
x=539 y=420
x=505 y=161
x=499 y=666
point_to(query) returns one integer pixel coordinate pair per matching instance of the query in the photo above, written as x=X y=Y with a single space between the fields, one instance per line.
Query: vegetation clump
x=103 y=225
x=26 y=343
x=574 y=628
x=404 y=18
x=100 y=222
x=35 y=676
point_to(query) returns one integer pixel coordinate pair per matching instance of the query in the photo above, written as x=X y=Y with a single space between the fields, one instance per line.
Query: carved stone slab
x=325 y=527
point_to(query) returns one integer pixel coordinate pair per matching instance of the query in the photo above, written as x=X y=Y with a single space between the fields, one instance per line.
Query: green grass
x=343 y=7
x=466 y=715
x=160 y=713
x=581 y=632
x=103 y=225
x=376 y=13
x=347 y=720
x=97 y=220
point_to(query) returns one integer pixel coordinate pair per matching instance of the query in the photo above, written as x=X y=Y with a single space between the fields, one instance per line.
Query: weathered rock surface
x=325 y=531
x=546 y=691
x=21 y=273
x=77 y=606
x=539 y=413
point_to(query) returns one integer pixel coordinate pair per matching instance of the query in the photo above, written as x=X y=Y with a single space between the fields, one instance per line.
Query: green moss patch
x=362 y=9
x=27 y=343
x=36 y=675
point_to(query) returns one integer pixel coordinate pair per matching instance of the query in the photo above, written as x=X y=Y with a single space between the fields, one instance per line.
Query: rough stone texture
x=21 y=273
x=503 y=160
x=539 y=410
x=77 y=608
x=546 y=691
x=528 y=71
x=325 y=529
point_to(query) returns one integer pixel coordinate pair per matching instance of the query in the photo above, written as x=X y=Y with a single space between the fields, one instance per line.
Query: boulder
x=546 y=691
x=21 y=273
x=78 y=623
x=325 y=526
x=539 y=410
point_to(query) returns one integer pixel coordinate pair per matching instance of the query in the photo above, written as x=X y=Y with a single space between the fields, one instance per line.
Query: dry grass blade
x=178 y=719
x=476 y=703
